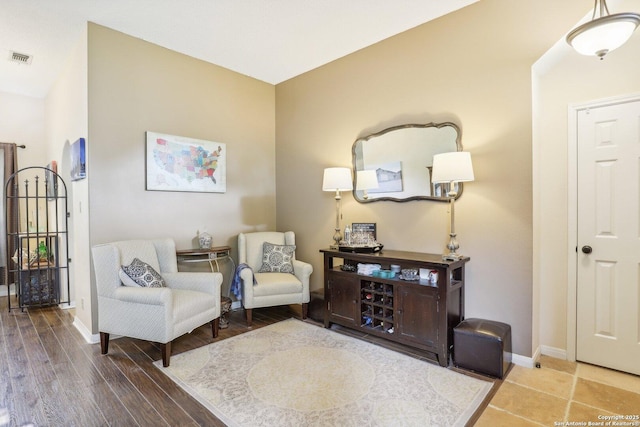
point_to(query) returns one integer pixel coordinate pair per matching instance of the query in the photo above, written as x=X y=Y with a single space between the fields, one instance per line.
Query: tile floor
x=563 y=393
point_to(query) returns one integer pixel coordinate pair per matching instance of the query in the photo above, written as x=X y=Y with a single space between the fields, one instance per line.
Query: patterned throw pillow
x=126 y=280
x=143 y=274
x=277 y=258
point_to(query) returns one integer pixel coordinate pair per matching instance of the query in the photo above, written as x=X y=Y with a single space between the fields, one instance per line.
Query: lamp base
x=337 y=238
x=452 y=257
x=453 y=247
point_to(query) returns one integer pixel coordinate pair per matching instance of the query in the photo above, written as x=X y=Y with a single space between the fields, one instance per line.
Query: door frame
x=572 y=211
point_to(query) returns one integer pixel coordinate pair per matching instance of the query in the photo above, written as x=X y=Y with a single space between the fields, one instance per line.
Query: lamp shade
x=602 y=35
x=452 y=167
x=337 y=179
x=366 y=180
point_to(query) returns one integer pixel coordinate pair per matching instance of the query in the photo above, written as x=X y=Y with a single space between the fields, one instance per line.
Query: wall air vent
x=21 y=58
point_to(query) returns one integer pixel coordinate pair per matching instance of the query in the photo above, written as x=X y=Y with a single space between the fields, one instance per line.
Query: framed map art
x=177 y=163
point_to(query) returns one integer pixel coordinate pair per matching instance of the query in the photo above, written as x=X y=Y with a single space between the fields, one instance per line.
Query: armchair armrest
x=247 y=275
x=209 y=283
x=302 y=270
x=246 y=284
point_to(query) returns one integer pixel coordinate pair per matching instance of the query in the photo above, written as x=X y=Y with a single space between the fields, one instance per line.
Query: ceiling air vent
x=21 y=58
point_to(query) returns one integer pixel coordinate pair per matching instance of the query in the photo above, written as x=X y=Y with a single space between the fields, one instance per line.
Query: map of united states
x=176 y=165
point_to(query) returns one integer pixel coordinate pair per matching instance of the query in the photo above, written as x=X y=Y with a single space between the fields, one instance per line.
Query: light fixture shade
x=602 y=35
x=366 y=180
x=337 y=179
x=452 y=167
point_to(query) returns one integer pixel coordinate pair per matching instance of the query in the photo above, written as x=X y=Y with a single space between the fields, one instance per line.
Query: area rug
x=293 y=373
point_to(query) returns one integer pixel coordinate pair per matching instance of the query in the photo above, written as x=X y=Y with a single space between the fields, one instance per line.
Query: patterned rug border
x=461 y=420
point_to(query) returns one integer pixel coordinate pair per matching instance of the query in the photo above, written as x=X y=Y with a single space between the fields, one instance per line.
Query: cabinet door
x=343 y=299
x=418 y=315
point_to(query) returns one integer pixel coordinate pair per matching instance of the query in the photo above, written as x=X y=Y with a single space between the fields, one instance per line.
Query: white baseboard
x=524 y=361
x=86 y=333
x=557 y=353
x=530 y=362
x=3 y=290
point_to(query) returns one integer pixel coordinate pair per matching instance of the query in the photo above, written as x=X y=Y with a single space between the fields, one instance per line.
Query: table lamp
x=452 y=168
x=337 y=179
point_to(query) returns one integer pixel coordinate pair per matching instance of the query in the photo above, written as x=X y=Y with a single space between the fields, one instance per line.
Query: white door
x=608 y=324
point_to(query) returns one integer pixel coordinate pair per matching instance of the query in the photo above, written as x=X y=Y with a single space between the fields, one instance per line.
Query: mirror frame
x=406 y=199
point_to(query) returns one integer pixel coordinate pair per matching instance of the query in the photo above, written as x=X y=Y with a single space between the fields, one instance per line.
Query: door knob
x=587 y=249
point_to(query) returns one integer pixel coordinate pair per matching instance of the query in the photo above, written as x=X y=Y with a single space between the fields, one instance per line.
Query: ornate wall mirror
x=402 y=157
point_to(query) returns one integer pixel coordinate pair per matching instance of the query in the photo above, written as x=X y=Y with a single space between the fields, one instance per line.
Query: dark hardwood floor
x=50 y=376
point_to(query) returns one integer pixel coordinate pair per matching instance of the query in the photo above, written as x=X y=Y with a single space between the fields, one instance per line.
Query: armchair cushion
x=143 y=274
x=277 y=258
x=138 y=295
x=276 y=284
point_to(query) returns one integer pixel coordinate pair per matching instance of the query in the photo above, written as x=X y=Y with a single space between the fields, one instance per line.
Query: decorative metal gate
x=36 y=216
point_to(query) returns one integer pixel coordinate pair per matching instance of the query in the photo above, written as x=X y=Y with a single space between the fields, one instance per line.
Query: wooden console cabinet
x=417 y=313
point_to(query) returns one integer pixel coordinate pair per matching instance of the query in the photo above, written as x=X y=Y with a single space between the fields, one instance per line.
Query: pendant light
x=605 y=33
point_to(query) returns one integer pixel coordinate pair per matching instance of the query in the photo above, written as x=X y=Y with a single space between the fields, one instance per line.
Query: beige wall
x=135 y=87
x=590 y=80
x=67 y=116
x=22 y=121
x=472 y=67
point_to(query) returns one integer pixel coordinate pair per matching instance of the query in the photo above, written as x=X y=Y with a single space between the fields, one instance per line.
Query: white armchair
x=162 y=314
x=272 y=288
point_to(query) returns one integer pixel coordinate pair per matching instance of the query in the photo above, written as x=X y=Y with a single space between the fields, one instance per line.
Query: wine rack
x=377 y=306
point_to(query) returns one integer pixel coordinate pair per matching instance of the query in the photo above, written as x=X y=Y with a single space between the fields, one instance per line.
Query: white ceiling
x=270 y=40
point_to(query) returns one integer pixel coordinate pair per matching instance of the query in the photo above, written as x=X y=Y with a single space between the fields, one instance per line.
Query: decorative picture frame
x=178 y=163
x=78 y=160
x=365 y=227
